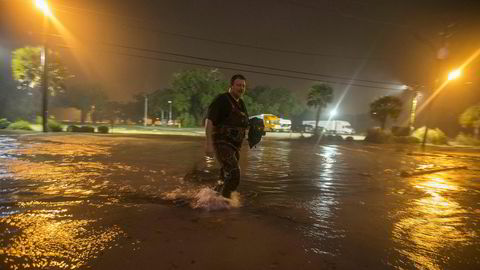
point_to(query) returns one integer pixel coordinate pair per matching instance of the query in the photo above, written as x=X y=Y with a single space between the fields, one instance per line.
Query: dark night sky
x=372 y=40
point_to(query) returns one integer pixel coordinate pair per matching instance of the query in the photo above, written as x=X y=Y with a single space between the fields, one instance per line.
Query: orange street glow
x=454 y=74
x=43 y=6
x=444 y=84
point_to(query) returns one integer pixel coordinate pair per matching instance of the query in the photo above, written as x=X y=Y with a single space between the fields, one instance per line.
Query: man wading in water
x=225 y=128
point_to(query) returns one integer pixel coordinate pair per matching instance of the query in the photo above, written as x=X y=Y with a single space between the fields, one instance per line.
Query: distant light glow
x=440 y=88
x=43 y=6
x=454 y=74
x=333 y=113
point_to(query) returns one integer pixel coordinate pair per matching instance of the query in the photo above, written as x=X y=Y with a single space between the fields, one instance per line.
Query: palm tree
x=319 y=95
x=384 y=107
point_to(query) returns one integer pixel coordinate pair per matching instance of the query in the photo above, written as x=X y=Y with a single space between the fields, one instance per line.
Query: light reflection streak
x=323 y=203
x=328 y=160
x=68 y=38
x=64 y=149
x=52 y=238
x=433 y=223
x=73 y=178
x=270 y=167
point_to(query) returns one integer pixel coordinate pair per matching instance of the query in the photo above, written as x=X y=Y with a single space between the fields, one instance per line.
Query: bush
x=73 y=128
x=400 y=131
x=4 y=123
x=187 y=120
x=467 y=140
x=434 y=136
x=39 y=120
x=20 y=124
x=102 y=129
x=54 y=126
x=88 y=129
x=377 y=135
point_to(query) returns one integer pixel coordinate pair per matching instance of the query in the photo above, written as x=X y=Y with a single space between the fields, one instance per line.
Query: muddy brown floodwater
x=143 y=202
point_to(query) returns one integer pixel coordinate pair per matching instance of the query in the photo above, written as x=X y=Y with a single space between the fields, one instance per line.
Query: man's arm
x=209 y=150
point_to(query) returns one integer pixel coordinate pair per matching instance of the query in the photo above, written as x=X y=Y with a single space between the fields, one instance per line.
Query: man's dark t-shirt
x=221 y=107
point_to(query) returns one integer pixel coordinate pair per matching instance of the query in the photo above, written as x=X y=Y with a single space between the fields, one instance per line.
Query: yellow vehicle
x=271 y=122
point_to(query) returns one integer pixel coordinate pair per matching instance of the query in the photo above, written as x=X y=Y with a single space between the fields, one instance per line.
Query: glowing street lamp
x=43 y=6
x=454 y=74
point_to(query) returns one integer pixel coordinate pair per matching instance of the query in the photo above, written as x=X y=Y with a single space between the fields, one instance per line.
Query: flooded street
x=129 y=202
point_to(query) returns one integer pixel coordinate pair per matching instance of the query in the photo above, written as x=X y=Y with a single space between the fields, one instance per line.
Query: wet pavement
x=131 y=202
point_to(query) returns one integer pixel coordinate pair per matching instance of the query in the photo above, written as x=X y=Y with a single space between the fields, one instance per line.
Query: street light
x=454 y=74
x=43 y=6
x=451 y=76
x=170 y=112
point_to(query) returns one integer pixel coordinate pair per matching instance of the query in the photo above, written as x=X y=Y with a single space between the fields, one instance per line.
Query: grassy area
x=157 y=130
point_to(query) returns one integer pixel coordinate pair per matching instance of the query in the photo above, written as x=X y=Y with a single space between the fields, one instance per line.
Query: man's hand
x=209 y=150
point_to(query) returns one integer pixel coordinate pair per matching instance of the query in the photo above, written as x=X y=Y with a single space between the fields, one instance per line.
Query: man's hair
x=237 y=76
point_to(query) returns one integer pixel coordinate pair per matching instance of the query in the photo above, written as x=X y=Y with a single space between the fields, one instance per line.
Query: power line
x=304 y=53
x=236 y=69
x=249 y=65
x=345 y=15
x=243 y=64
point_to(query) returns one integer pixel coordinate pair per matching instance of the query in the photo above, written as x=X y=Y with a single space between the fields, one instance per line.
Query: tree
x=110 y=111
x=278 y=101
x=28 y=70
x=193 y=90
x=384 y=107
x=85 y=97
x=16 y=104
x=471 y=118
x=158 y=105
x=319 y=95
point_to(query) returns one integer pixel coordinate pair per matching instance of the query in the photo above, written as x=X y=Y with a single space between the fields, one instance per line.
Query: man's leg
x=219 y=184
x=228 y=156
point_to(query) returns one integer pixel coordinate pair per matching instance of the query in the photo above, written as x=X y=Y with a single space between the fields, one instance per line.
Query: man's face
x=238 y=88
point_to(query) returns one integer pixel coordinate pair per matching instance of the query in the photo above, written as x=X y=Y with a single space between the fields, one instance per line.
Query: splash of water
x=210 y=200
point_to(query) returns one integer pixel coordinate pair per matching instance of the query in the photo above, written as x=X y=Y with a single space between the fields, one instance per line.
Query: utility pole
x=44 y=60
x=145 y=111
x=47 y=13
x=170 y=112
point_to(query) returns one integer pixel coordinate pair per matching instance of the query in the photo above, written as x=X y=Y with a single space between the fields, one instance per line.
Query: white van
x=285 y=125
x=333 y=126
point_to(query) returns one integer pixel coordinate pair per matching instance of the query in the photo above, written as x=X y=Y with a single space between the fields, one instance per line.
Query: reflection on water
x=434 y=223
x=52 y=237
x=337 y=196
x=326 y=202
x=297 y=183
